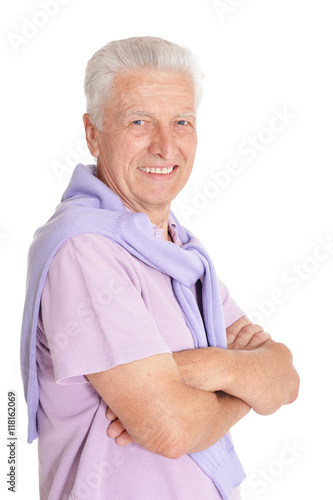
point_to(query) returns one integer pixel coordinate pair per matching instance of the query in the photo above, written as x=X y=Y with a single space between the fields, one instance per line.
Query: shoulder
x=92 y=241
x=96 y=256
x=93 y=246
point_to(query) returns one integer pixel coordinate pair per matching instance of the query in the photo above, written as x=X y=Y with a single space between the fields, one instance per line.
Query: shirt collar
x=158 y=233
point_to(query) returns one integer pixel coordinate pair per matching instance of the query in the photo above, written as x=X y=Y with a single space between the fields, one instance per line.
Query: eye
x=182 y=122
x=138 y=122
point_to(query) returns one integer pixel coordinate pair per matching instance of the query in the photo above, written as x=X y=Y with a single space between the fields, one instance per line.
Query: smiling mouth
x=158 y=170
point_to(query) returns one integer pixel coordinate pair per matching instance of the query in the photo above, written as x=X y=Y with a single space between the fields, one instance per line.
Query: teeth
x=148 y=170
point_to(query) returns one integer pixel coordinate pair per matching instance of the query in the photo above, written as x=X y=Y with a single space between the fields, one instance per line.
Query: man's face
x=149 y=124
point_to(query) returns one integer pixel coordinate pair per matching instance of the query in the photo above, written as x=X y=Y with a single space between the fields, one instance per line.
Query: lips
x=158 y=170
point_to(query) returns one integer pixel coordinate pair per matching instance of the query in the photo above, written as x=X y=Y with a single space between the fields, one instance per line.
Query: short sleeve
x=232 y=312
x=93 y=314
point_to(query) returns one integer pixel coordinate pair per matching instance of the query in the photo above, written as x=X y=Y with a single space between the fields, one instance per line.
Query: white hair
x=134 y=53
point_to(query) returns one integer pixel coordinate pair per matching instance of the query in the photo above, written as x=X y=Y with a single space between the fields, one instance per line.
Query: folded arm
x=254 y=368
x=160 y=412
x=253 y=372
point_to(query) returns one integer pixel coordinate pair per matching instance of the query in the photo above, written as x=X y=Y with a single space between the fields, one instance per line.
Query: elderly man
x=125 y=319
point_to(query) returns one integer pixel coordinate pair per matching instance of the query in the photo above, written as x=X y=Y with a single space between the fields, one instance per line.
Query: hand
x=265 y=377
x=279 y=380
x=116 y=429
x=245 y=335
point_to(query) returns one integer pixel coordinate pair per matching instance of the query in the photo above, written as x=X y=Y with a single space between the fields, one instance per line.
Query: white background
x=259 y=56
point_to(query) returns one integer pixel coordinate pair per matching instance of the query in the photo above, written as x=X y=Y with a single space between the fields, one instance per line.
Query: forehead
x=149 y=90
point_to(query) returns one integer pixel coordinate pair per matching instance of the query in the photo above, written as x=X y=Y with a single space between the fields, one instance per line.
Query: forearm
x=189 y=421
x=207 y=417
x=160 y=412
x=264 y=378
x=201 y=419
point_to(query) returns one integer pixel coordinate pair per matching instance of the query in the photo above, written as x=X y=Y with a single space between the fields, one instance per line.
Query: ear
x=91 y=135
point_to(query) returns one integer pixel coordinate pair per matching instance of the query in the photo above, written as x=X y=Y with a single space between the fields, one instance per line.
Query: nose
x=163 y=143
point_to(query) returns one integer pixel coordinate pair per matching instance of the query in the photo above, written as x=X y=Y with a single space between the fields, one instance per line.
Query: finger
x=258 y=340
x=124 y=439
x=233 y=329
x=231 y=335
x=244 y=336
x=110 y=415
x=115 y=429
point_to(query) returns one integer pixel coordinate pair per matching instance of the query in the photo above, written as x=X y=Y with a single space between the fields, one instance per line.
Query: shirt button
x=158 y=234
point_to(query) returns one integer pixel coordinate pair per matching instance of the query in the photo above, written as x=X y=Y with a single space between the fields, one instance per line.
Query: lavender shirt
x=102 y=307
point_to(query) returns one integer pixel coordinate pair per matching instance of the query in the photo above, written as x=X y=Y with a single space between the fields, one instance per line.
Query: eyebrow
x=185 y=115
x=140 y=113
x=152 y=115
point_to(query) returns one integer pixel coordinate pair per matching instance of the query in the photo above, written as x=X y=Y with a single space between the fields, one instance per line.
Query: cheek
x=190 y=146
x=120 y=144
x=131 y=149
x=189 y=151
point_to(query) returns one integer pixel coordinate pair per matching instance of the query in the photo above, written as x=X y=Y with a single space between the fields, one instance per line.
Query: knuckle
x=259 y=338
x=258 y=327
x=246 y=331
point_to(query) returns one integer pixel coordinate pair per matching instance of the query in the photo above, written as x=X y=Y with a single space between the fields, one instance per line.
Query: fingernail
x=120 y=441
